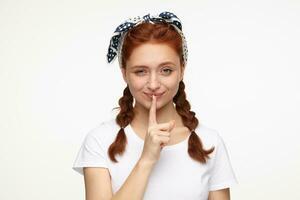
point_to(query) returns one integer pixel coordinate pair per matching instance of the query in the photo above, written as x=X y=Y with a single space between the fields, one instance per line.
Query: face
x=153 y=69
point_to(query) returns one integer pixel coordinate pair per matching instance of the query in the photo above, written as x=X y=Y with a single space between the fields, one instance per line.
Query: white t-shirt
x=175 y=176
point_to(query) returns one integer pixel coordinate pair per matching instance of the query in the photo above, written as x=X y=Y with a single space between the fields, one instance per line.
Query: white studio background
x=242 y=79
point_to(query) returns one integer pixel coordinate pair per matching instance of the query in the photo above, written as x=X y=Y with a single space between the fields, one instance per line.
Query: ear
x=124 y=74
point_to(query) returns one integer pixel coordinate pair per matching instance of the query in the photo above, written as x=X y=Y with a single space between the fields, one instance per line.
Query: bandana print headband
x=115 y=45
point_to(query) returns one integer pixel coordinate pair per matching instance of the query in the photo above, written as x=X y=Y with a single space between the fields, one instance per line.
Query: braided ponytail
x=124 y=118
x=195 y=147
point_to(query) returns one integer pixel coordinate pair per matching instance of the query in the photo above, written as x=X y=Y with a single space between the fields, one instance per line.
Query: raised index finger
x=152 y=112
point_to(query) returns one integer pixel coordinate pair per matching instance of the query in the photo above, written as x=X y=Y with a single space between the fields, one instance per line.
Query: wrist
x=145 y=163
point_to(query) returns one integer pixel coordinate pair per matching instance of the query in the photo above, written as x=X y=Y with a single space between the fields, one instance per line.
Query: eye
x=167 y=70
x=139 y=72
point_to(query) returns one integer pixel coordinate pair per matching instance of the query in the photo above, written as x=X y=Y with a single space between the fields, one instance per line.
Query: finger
x=164 y=140
x=165 y=126
x=152 y=112
x=163 y=133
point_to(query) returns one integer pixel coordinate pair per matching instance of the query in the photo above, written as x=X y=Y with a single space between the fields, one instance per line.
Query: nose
x=153 y=82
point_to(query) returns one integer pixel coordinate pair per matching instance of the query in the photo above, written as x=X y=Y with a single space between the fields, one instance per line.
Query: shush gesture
x=157 y=136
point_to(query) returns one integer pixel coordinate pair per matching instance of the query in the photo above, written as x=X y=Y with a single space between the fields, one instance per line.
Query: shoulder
x=104 y=132
x=208 y=136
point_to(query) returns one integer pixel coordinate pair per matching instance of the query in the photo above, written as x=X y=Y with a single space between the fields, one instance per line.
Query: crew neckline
x=168 y=147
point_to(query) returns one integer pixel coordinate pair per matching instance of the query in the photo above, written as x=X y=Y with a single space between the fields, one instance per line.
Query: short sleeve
x=91 y=154
x=222 y=175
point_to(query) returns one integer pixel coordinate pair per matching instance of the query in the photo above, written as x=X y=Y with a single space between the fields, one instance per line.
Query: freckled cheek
x=137 y=85
x=171 y=84
x=172 y=88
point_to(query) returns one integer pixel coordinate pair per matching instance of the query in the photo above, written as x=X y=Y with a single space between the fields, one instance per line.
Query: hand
x=158 y=135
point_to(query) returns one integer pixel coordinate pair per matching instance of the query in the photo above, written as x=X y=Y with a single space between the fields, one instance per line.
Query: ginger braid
x=124 y=118
x=126 y=115
x=195 y=146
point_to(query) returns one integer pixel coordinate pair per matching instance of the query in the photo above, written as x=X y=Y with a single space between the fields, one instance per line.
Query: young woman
x=155 y=148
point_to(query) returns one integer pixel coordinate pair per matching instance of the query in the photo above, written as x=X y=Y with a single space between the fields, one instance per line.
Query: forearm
x=135 y=184
x=222 y=194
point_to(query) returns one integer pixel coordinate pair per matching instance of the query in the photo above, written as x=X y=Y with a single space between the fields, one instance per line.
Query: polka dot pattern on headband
x=115 y=44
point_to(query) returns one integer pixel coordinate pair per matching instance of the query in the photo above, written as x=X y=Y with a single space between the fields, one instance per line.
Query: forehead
x=153 y=55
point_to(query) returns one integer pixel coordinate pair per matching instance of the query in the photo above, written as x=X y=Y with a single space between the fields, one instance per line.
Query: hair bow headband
x=115 y=45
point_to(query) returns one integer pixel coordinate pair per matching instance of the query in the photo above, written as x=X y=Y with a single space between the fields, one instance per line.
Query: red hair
x=156 y=33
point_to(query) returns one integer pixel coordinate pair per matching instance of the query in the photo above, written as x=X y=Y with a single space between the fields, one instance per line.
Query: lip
x=158 y=95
